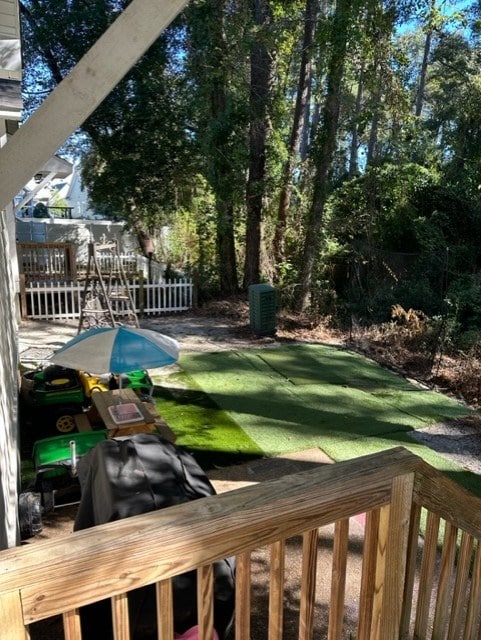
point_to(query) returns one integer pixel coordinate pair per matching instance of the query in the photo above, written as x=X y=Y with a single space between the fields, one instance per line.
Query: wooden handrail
x=58 y=576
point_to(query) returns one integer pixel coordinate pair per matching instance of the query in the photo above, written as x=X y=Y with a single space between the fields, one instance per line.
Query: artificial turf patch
x=296 y=397
x=232 y=406
x=322 y=364
x=339 y=451
x=203 y=429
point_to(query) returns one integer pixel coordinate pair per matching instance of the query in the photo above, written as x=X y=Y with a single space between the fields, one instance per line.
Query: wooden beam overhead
x=78 y=95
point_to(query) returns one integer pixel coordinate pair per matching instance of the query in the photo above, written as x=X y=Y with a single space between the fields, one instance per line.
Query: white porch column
x=9 y=452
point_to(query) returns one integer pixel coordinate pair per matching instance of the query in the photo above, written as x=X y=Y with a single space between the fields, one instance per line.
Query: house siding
x=9 y=22
x=9 y=463
x=10 y=110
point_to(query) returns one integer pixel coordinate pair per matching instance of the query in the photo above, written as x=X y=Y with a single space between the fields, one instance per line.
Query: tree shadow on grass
x=203 y=429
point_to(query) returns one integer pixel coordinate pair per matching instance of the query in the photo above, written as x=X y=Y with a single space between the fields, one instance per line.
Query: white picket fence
x=52 y=300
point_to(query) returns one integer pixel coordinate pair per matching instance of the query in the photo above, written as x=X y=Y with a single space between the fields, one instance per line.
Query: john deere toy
x=51 y=396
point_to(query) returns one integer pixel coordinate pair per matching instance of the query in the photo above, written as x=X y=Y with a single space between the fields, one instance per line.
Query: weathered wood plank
x=205 y=601
x=473 y=615
x=448 y=556
x=243 y=597
x=308 y=584
x=11 y=615
x=71 y=625
x=449 y=500
x=338 y=581
x=396 y=556
x=463 y=566
x=368 y=576
x=426 y=579
x=379 y=583
x=413 y=545
x=165 y=609
x=120 y=617
x=276 y=590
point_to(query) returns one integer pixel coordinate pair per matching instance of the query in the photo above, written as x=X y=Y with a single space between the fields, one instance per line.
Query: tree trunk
x=48 y=54
x=324 y=148
x=300 y=112
x=353 y=160
x=374 y=131
x=260 y=94
x=226 y=247
x=220 y=169
x=422 y=74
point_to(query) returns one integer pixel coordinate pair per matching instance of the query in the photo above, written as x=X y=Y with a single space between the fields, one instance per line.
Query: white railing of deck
x=62 y=300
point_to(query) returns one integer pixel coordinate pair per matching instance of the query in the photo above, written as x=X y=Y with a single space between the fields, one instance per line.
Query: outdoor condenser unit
x=262 y=309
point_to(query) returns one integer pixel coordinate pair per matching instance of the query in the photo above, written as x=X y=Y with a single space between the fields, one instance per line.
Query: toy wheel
x=64 y=420
x=29 y=514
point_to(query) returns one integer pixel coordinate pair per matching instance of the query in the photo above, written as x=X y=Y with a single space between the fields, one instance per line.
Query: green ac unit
x=262 y=309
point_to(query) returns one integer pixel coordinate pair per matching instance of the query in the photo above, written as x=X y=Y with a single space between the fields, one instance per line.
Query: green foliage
x=381 y=207
x=464 y=297
x=191 y=245
x=169 y=146
x=142 y=168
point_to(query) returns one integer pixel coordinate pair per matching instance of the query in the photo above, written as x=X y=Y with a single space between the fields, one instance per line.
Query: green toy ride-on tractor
x=54 y=395
x=56 y=483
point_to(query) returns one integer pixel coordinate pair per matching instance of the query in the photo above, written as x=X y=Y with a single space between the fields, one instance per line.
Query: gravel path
x=457 y=440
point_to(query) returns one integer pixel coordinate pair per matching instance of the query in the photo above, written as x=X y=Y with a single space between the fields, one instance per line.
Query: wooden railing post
x=392 y=558
x=11 y=615
x=276 y=591
x=308 y=584
x=338 y=582
x=243 y=597
x=368 y=576
x=205 y=601
x=71 y=624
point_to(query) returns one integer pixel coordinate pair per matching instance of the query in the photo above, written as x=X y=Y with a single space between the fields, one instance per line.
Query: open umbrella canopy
x=117 y=350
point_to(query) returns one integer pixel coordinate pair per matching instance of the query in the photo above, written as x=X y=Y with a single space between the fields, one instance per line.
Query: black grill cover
x=123 y=477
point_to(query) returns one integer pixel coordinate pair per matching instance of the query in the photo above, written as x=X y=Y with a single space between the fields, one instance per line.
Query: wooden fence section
x=47 y=260
x=55 y=300
x=59 y=261
x=420 y=558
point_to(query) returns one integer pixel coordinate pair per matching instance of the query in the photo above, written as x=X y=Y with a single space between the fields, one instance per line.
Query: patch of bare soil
x=459 y=440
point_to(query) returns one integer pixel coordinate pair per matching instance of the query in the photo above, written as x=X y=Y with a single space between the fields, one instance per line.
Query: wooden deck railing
x=40 y=261
x=411 y=585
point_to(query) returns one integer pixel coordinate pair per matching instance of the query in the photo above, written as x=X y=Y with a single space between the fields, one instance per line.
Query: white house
x=75 y=195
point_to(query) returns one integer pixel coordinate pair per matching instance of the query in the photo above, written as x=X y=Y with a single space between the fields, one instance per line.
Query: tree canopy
x=332 y=148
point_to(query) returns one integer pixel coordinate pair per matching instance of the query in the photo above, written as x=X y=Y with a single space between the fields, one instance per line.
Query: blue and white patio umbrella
x=117 y=350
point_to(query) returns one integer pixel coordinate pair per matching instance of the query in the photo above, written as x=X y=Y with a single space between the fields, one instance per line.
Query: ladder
x=106 y=300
